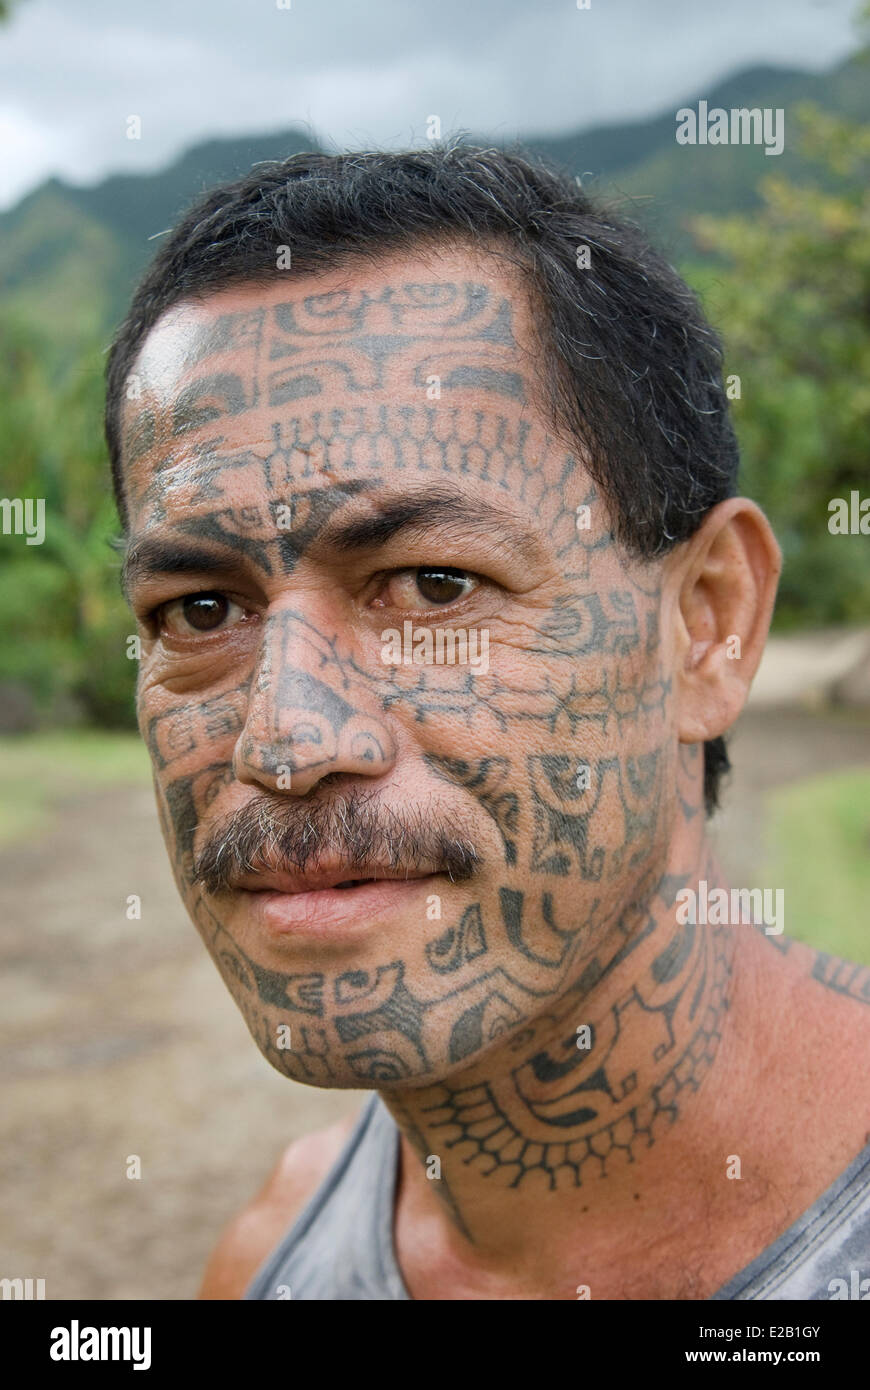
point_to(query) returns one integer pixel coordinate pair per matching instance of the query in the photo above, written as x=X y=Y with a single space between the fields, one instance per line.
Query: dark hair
x=632 y=369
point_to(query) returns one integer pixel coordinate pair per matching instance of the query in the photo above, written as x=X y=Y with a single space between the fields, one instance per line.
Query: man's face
x=311 y=465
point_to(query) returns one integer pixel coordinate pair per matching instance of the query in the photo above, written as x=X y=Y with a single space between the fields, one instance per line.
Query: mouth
x=325 y=903
x=321 y=879
x=354 y=882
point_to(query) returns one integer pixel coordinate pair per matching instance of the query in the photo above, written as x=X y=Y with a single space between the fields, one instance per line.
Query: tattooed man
x=371 y=416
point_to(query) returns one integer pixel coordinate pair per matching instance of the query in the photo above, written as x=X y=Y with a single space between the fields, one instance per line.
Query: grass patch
x=40 y=771
x=819 y=852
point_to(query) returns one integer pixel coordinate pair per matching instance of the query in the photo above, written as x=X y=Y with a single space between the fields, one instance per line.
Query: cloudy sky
x=363 y=72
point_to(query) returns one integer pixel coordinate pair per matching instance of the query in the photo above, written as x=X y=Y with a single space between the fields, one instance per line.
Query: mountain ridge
x=71 y=253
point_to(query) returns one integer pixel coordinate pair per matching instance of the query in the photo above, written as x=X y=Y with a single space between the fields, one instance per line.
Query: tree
x=63 y=623
x=794 y=309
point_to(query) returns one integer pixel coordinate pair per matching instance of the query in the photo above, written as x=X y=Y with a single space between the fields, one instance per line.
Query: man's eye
x=433 y=586
x=184 y=617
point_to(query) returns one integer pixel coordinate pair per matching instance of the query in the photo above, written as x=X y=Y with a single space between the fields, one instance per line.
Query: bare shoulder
x=258 y=1227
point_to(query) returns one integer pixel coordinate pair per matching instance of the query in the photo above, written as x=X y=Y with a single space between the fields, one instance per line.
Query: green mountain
x=664 y=185
x=69 y=255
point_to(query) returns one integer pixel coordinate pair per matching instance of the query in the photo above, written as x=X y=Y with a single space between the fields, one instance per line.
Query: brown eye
x=429 y=586
x=199 y=613
x=205 y=611
x=443 y=586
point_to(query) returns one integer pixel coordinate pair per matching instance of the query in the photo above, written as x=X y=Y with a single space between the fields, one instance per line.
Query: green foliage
x=794 y=308
x=63 y=624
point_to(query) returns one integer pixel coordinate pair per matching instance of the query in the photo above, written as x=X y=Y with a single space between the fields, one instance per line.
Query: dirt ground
x=120 y=1039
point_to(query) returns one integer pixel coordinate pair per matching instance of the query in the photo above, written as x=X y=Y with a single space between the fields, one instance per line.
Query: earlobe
x=727 y=576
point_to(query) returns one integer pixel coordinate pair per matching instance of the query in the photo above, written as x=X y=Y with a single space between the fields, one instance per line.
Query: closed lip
x=313 y=906
x=270 y=881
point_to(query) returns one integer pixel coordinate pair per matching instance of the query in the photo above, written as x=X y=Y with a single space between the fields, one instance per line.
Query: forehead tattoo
x=449 y=347
x=435 y=337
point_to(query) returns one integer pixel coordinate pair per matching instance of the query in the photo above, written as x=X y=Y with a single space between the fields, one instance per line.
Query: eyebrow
x=413 y=514
x=418 y=512
x=154 y=555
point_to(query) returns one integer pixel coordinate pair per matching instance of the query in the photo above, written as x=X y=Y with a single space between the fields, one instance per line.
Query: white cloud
x=360 y=72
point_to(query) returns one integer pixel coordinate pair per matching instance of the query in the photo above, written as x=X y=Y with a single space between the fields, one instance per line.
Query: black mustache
x=271 y=833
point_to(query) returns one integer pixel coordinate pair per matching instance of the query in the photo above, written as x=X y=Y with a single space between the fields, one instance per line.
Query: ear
x=724 y=580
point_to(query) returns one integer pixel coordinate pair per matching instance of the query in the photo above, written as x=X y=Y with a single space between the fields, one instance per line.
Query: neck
x=604 y=1097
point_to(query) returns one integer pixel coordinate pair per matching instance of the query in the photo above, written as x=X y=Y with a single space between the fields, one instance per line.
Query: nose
x=307 y=717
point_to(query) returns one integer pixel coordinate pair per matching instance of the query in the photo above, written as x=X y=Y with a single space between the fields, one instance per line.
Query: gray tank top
x=341 y=1245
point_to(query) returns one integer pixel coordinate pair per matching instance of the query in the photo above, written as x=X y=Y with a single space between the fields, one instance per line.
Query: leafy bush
x=794 y=309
